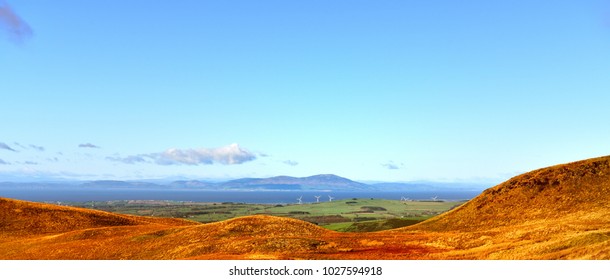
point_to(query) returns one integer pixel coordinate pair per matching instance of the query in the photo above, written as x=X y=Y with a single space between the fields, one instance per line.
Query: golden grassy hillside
x=550 y=193
x=22 y=217
x=560 y=212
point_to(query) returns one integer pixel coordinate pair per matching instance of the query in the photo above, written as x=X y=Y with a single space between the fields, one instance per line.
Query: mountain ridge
x=320 y=181
x=326 y=182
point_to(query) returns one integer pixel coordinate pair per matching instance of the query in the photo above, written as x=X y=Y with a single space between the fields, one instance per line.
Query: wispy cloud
x=38 y=148
x=2 y=162
x=31 y=146
x=19 y=145
x=290 y=162
x=88 y=145
x=53 y=159
x=227 y=155
x=6 y=147
x=392 y=166
x=30 y=162
x=128 y=159
x=17 y=29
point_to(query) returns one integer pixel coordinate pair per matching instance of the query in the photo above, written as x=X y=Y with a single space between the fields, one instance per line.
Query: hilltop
x=581 y=187
x=559 y=212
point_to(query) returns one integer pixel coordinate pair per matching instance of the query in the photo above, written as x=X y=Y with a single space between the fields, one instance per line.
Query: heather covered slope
x=40 y=231
x=579 y=188
x=29 y=218
x=558 y=212
x=249 y=237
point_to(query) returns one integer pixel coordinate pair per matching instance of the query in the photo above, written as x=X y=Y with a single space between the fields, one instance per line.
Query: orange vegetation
x=560 y=212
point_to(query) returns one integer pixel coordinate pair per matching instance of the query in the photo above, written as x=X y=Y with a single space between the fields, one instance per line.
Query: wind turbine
x=402 y=198
x=317 y=198
x=330 y=198
x=434 y=198
x=299 y=199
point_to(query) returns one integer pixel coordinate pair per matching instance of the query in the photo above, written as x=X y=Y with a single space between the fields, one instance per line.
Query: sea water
x=280 y=197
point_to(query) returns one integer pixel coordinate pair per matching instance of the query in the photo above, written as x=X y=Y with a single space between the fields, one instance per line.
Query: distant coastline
x=78 y=194
x=281 y=189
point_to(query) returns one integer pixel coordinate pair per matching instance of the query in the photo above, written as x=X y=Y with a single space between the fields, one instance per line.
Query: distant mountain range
x=322 y=182
x=317 y=182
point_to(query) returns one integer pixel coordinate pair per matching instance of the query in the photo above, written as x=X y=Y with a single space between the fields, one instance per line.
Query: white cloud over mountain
x=227 y=155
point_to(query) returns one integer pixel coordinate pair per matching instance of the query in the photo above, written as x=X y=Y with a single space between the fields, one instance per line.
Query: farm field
x=349 y=215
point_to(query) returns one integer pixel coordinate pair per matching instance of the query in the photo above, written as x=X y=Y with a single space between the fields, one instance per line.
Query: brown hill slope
x=21 y=217
x=31 y=230
x=248 y=237
x=544 y=194
x=557 y=212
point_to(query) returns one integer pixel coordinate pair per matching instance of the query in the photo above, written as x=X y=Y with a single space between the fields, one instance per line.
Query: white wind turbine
x=299 y=199
x=434 y=198
x=330 y=198
x=317 y=198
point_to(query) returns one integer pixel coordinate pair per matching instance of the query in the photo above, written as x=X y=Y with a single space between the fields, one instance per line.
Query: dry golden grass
x=560 y=212
x=551 y=213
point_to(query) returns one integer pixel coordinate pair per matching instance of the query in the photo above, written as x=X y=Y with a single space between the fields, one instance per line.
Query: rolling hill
x=580 y=188
x=19 y=218
x=555 y=212
x=559 y=212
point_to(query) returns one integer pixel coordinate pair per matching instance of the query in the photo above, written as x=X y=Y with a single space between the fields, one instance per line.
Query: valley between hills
x=558 y=212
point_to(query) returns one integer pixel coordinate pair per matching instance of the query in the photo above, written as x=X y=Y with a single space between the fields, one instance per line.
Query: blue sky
x=369 y=90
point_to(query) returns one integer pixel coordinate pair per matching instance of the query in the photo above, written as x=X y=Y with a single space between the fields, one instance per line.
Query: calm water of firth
x=80 y=195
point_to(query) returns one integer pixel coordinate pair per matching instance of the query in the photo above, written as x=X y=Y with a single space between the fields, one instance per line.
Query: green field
x=342 y=215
